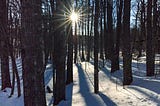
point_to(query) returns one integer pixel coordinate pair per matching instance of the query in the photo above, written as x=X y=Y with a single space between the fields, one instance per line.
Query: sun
x=74 y=17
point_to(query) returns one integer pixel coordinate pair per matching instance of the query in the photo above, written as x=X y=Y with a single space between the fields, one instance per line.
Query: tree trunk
x=101 y=32
x=82 y=40
x=88 y=32
x=70 y=52
x=59 y=55
x=96 y=46
x=32 y=54
x=75 y=44
x=76 y=41
x=105 y=31
x=127 y=56
x=118 y=35
x=110 y=31
x=149 y=43
x=5 y=75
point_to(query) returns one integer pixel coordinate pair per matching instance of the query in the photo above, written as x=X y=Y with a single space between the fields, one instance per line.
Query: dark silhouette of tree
x=110 y=31
x=32 y=54
x=105 y=30
x=143 y=27
x=155 y=19
x=101 y=31
x=88 y=31
x=13 y=33
x=126 y=50
x=4 y=53
x=59 y=55
x=149 y=42
x=70 y=50
x=96 y=47
x=118 y=36
x=75 y=38
x=83 y=36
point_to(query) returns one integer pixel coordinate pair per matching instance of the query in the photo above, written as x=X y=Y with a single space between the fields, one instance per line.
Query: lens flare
x=74 y=17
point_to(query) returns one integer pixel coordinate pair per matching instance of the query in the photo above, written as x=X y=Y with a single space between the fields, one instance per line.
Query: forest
x=79 y=52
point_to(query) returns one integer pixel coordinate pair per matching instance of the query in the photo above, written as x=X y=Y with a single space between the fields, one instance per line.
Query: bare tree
x=149 y=43
x=59 y=55
x=5 y=75
x=32 y=54
x=115 y=60
x=96 y=47
x=70 y=50
x=127 y=56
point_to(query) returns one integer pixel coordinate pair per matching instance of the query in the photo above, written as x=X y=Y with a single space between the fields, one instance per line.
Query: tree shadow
x=116 y=77
x=149 y=83
x=69 y=93
x=148 y=95
x=106 y=100
x=90 y=99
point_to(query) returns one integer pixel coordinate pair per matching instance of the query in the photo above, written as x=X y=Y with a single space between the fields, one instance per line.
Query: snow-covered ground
x=144 y=91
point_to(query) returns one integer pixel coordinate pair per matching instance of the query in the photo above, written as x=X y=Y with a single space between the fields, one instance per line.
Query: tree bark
x=118 y=35
x=88 y=32
x=110 y=31
x=101 y=32
x=149 y=43
x=32 y=54
x=5 y=75
x=127 y=56
x=59 y=55
x=70 y=52
x=96 y=46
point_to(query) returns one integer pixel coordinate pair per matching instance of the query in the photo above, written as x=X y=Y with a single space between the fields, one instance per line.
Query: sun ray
x=74 y=17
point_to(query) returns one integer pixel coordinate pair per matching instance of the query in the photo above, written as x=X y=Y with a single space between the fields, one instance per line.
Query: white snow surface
x=144 y=91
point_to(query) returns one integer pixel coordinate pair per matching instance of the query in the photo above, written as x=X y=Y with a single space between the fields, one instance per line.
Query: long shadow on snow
x=106 y=100
x=116 y=77
x=69 y=91
x=150 y=96
x=139 y=80
x=151 y=84
x=90 y=100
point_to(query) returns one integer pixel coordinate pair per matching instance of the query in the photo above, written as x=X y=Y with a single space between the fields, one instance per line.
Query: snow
x=13 y=101
x=144 y=91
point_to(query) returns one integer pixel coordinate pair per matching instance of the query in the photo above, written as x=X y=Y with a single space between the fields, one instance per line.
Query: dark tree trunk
x=105 y=31
x=76 y=41
x=82 y=40
x=110 y=31
x=5 y=75
x=143 y=19
x=127 y=56
x=32 y=54
x=88 y=30
x=13 y=32
x=96 y=47
x=15 y=74
x=136 y=34
x=149 y=44
x=75 y=44
x=155 y=19
x=101 y=32
x=110 y=34
x=118 y=35
x=59 y=55
x=70 y=52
